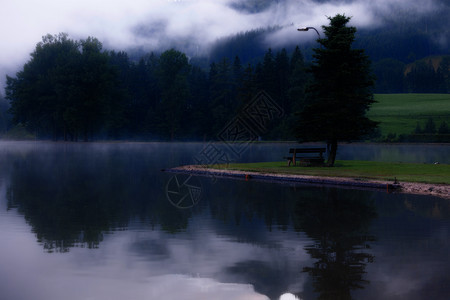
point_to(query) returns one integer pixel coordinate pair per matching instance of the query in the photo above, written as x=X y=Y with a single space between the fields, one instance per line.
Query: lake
x=102 y=221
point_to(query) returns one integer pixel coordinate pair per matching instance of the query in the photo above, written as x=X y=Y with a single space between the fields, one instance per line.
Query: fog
x=189 y=25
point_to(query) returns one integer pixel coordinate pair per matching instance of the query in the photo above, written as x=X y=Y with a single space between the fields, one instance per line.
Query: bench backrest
x=308 y=150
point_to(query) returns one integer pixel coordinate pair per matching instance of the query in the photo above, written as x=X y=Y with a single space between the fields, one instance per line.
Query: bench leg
x=290 y=161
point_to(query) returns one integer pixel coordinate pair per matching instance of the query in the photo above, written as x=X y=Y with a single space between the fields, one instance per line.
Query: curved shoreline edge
x=438 y=190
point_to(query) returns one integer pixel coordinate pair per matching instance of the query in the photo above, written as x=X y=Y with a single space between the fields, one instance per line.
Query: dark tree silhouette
x=341 y=91
x=68 y=88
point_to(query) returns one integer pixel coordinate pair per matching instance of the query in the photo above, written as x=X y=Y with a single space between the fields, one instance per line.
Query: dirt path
x=438 y=190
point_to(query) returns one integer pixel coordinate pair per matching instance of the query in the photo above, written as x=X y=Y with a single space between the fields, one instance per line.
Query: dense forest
x=77 y=90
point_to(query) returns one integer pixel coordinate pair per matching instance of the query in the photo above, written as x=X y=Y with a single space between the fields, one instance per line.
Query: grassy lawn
x=399 y=113
x=406 y=172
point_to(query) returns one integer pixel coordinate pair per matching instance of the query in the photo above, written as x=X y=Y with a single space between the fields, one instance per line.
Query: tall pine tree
x=341 y=91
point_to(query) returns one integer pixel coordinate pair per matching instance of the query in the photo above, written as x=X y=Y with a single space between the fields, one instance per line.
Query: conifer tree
x=341 y=91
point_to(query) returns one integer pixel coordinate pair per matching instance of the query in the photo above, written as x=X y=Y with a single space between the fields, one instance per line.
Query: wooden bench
x=314 y=156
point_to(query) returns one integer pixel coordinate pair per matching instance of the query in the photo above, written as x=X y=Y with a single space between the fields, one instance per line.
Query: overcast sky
x=156 y=24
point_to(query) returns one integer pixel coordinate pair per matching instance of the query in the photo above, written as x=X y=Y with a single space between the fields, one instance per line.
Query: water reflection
x=72 y=197
x=338 y=222
x=105 y=208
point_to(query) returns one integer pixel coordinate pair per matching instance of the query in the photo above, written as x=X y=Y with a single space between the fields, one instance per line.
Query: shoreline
x=437 y=190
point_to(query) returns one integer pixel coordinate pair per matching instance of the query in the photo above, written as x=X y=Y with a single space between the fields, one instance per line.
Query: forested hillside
x=415 y=66
x=400 y=45
x=409 y=54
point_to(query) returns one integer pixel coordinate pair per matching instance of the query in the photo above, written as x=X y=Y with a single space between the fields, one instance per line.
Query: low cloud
x=190 y=25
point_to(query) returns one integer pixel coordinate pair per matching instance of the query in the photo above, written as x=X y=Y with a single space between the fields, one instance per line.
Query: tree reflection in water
x=338 y=222
x=72 y=199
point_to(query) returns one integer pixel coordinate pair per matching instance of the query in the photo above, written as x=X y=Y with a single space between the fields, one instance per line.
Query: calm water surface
x=94 y=221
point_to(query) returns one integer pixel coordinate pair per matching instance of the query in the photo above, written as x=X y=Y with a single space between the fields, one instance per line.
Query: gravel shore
x=438 y=190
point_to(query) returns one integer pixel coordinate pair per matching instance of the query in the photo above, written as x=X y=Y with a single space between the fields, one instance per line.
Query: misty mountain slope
x=402 y=34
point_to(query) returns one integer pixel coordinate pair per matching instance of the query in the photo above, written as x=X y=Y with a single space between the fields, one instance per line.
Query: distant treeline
x=430 y=133
x=428 y=75
x=75 y=90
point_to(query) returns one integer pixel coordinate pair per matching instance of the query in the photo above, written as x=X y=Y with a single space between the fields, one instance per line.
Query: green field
x=406 y=172
x=399 y=113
